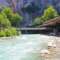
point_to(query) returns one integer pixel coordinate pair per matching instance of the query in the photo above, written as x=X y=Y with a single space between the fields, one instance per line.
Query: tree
x=2 y=33
x=16 y=20
x=37 y=21
x=8 y=12
x=1 y=9
x=10 y=31
x=4 y=22
x=49 y=13
x=7 y=20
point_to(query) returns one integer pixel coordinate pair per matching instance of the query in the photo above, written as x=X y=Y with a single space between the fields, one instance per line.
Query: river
x=23 y=47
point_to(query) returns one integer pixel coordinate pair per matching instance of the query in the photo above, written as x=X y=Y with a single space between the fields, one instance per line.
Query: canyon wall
x=16 y=6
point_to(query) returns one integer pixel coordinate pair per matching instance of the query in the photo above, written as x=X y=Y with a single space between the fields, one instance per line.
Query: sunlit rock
x=53 y=51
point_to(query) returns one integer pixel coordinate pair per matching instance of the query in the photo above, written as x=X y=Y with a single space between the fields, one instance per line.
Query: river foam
x=23 y=47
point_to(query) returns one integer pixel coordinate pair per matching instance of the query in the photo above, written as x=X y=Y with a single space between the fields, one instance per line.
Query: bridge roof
x=53 y=22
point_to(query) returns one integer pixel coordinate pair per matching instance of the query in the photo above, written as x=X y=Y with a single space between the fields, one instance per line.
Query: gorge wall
x=17 y=5
x=28 y=18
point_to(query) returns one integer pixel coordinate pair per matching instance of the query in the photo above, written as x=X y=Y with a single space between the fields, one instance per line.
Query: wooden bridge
x=33 y=30
x=40 y=28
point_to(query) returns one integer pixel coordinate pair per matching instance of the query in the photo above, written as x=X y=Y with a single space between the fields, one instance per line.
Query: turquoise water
x=24 y=47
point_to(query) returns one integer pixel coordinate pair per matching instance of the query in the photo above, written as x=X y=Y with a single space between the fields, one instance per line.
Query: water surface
x=24 y=47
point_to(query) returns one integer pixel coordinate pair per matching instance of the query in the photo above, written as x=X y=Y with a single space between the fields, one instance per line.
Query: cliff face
x=3 y=3
x=28 y=18
x=16 y=5
x=12 y=4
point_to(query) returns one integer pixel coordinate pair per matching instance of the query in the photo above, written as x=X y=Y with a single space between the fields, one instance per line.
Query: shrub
x=2 y=33
x=38 y=20
x=10 y=32
x=15 y=19
x=4 y=22
x=1 y=9
x=8 y=12
x=19 y=33
x=49 y=13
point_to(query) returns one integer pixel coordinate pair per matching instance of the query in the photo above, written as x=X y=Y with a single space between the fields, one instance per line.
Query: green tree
x=1 y=9
x=10 y=31
x=2 y=33
x=9 y=19
x=4 y=22
x=37 y=21
x=8 y=12
x=49 y=13
x=16 y=20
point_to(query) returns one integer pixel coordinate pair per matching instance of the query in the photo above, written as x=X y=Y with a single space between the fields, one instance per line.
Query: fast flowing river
x=24 y=47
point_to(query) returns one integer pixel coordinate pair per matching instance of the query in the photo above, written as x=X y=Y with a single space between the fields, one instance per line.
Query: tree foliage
x=37 y=20
x=8 y=12
x=49 y=13
x=2 y=33
x=1 y=9
x=4 y=22
x=7 y=20
x=10 y=31
x=15 y=19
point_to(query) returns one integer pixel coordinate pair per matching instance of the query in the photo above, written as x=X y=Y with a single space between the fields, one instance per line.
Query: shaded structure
x=54 y=24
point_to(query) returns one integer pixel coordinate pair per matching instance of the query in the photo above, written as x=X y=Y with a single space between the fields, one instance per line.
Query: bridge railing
x=41 y=28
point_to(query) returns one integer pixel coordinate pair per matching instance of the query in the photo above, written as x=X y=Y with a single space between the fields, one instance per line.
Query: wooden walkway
x=42 y=28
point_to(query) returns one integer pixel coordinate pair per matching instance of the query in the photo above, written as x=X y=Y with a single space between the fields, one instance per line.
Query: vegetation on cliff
x=15 y=19
x=9 y=20
x=49 y=13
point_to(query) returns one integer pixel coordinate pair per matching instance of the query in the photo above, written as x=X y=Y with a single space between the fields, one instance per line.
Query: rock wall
x=16 y=6
x=28 y=18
